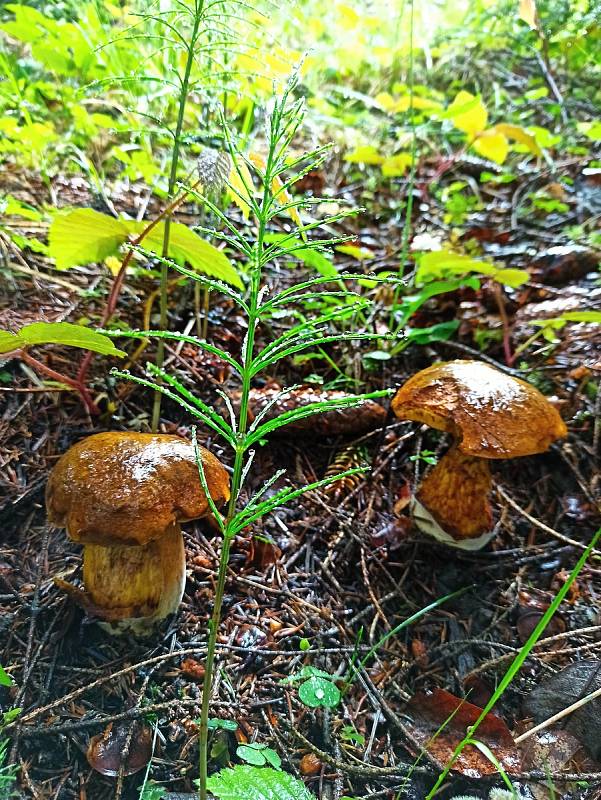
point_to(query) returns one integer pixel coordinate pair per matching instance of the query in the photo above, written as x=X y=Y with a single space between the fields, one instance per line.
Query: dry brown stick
x=150 y=661
x=398 y=771
x=132 y=713
x=28 y=660
x=541 y=525
x=100 y=681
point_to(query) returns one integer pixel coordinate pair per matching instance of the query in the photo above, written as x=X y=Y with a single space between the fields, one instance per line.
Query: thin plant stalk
x=228 y=534
x=239 y=433
x=183 y=101
x=412 y=173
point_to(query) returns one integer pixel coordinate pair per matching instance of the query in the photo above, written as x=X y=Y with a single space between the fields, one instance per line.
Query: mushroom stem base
x=131 y=589
x=452 y=503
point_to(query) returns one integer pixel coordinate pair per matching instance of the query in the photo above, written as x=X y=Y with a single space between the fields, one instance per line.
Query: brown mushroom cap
x=490 y=414
x=128 y=488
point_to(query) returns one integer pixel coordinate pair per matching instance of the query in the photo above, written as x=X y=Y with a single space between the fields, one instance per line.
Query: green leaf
x=10 y=206
x=377 y=355
x=440 y=264
x=302 y=674
x=58 y=333
x=440 y=332
x=5 y=679
x=349 y=734
x=84 y=236
x=187 y=246
x=364 y=154
x=360 y=253
x=251 y=754
x=258 y=755
x=308 y=255
x=10 y=715
x=590 y=317
x=257 y=783
x=319 y=692
x=224 y=724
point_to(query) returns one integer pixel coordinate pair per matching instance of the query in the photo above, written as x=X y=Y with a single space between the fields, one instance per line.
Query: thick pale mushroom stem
x=134 y=588
x=452 y=502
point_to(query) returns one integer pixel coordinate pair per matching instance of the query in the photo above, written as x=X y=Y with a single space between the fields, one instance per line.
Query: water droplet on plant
x=320 y=694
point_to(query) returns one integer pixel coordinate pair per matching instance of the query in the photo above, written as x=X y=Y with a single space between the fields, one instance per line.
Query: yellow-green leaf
x=468 y=113
x=237 y=191
x=185 y=246
x=83 y=236
x=518 y=134
x=491 y=145
x=591 y=130
x=113 y=264
x=365 y=154
x=587 y=317
x=58 y=333
x=442 y=263
x=528 y=13
x=360 y=253
x=397 y=165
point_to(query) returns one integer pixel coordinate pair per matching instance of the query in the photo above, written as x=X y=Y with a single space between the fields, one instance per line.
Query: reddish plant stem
x=113 y=297
x=79 y=387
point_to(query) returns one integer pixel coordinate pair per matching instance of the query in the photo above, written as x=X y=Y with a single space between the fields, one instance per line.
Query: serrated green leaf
x=257 y=783
x=319 y=692
x=187 y=246
x=58 y=333
x=84 y=236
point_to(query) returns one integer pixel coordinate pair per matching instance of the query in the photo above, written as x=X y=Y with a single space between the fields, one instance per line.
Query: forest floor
x=334 y=563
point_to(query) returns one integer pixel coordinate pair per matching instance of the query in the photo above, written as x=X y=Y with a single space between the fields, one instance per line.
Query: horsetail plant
x=276 y=175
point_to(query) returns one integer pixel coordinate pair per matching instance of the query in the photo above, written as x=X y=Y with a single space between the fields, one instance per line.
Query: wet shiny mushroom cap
x=128 y=488
x=490 y=414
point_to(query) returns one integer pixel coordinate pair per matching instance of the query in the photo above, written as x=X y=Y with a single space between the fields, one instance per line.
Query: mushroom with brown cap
x=123 y=496
x=490 y=415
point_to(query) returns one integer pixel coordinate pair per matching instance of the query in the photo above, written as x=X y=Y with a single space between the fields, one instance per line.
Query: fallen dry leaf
x=310 y=765
x=432 y=712
x=562 y=690
x=549 y=750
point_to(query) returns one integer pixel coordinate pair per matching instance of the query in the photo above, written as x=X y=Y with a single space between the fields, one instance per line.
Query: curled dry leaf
x=354 y=420
x=529 y=618
x=262 y=553
x=310 y=764
x=449 y=717
x=192 y=669
x=562 y=690
x=105 y=751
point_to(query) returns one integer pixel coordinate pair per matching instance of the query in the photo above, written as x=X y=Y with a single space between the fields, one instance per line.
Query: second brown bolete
x=490 y=415
x=123 y=496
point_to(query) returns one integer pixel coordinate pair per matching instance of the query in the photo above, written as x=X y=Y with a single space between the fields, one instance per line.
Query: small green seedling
x=317 y=688
x=259 y=755
x=427 y=456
